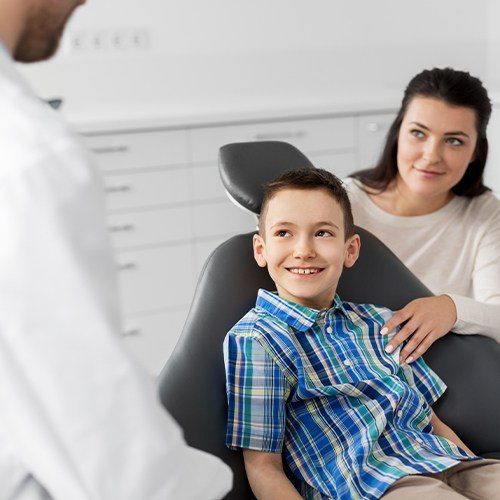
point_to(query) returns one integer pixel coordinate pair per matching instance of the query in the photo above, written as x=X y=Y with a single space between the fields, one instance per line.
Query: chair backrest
x=246 y=166
x=192 y=384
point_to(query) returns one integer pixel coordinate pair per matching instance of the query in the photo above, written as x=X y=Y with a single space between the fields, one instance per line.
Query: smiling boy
x=309 y=381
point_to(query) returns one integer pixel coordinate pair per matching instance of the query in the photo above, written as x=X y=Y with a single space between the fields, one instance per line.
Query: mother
x=425 y=199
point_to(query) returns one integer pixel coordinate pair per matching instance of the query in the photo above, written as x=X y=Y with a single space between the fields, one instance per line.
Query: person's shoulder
x=367 y=312
x=357 y=191
x=253 y=324
x=484 y=208
x=30 y=130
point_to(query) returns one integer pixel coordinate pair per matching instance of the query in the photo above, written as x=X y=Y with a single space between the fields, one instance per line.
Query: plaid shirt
x=318 y=386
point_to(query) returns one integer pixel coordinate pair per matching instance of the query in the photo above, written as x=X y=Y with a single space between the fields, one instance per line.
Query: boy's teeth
x=303 y=271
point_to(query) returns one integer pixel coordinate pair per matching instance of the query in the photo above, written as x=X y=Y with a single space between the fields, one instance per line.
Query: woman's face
x=436 y=143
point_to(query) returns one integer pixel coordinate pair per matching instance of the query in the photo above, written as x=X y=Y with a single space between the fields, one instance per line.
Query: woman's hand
x=427 y=320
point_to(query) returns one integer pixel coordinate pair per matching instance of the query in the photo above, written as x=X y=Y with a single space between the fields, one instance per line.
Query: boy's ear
x=258 y=250
x=353 y=246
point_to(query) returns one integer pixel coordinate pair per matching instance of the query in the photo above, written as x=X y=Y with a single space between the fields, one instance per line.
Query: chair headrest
x=246 y=166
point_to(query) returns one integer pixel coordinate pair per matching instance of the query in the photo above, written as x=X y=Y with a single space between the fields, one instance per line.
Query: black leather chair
x=192 y=384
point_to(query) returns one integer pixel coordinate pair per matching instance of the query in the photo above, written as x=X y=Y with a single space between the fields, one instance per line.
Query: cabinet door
x=155 y=278
x=206 y=183
x=313 y=135
x=146 y=189
x=339 y=164
x=492 y=172
x=222 y=218
x=152 y=337
x=372 y=131
x=150 y=227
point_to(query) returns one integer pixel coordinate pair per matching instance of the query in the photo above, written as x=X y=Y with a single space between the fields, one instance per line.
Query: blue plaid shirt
x=317 y=386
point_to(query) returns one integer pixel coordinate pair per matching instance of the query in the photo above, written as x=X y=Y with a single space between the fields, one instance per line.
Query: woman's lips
x=428 y=173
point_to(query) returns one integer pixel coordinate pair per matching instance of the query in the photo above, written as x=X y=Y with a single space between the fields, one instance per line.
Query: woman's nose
x=432 y=151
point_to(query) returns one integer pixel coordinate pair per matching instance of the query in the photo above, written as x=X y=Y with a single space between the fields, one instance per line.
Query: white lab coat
x=78 y=418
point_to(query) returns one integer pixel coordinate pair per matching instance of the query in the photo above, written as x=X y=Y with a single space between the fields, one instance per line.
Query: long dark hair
x=456 y=88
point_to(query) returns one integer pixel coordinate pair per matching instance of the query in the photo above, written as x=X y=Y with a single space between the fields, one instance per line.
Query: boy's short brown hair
x=310 y=178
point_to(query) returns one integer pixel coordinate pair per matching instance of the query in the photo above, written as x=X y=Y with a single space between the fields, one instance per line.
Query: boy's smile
x=303 y=245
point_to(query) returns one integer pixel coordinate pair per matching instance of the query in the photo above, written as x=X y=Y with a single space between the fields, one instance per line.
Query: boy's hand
x=427 y=320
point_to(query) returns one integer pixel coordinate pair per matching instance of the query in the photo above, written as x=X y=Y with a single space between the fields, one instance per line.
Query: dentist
x=79 y=419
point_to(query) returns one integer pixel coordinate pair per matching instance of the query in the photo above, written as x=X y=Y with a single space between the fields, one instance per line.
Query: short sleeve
x=256 y=393
x=419 y=376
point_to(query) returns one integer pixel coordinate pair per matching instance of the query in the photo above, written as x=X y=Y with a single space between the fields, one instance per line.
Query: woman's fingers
x=397 y=318
x=402 y=335
x=427 y=319
x=421 y=340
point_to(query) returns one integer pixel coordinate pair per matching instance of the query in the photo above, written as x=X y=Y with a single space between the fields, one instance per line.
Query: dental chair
x=192 y=383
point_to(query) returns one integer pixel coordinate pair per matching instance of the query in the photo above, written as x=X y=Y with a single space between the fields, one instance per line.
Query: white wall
x=229 y=26
x=200 y=54
x=493 y=29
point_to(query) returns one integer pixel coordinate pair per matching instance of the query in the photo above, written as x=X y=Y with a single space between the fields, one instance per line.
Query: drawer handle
x=106 y=150
x=131 y=332
x=373 y=127
x=118 y=189
x=122 y=228
x=286 y=134
x=127 y=266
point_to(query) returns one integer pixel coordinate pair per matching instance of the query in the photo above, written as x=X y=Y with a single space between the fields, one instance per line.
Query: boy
x=308 y=375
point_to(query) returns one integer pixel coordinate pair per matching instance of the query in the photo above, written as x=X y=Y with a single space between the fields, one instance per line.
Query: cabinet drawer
x=155 y=278
x=151 y=338
x=146 y=189
x=206 y=183
x=339 y=164
x=372 y=131
x=137 y=150
x=308 y=135
x=150 y=228
x=220 y=219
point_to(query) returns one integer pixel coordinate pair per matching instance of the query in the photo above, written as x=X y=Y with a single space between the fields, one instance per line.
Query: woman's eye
x=417 y=133
x=454 y=141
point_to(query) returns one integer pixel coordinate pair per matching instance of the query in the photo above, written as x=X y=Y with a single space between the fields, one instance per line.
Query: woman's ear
x=352 y=248
x=259 y=248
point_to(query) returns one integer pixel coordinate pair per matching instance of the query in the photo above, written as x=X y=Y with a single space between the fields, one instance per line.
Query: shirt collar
x=299 y=317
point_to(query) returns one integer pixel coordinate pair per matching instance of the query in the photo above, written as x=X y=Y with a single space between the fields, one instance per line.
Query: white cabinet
x=372 y=131
x=308 y=135
x=167 y=209
x=492 y=171
x=136 y=150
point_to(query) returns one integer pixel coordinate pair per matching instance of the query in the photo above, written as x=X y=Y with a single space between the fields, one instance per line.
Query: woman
x=425 y=199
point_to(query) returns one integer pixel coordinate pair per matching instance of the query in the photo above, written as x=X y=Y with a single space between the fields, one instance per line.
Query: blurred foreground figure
x=78 y=419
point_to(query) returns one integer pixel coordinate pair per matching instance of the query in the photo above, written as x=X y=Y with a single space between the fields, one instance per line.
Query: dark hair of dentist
x=425 y=198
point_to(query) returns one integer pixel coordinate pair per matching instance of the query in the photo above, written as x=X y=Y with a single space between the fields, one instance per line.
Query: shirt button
x=329 y=330
x=400 y=413
x=347 y=362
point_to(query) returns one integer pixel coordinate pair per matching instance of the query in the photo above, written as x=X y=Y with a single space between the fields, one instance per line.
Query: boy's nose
x=304 y=250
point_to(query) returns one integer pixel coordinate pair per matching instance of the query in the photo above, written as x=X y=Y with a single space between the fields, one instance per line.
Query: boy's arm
x=266 y=476
x=443 y=430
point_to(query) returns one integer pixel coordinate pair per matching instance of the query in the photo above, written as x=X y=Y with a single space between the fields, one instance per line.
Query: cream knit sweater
x=453 y=251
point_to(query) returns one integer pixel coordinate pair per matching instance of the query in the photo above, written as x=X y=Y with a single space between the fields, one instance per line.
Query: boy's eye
x=282 y=233
x=417 y=133
x=323 y=233
x=454 y=141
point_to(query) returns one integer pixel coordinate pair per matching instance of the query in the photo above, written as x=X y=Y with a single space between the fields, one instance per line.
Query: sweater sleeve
x=481 y=314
